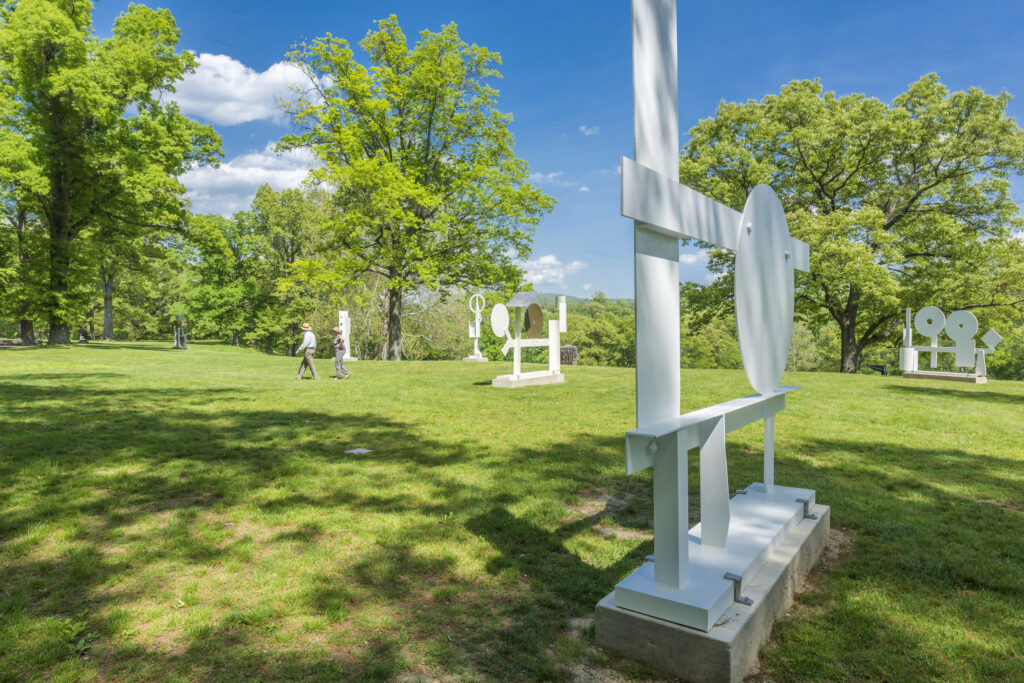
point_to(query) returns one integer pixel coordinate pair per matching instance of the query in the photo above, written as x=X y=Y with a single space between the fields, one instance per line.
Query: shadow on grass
x=159 y=485
x=983 y=395
x=96 y=498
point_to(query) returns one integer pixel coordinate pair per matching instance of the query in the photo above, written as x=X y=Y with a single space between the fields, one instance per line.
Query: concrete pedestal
x=527 y=379
x=948 y=376
x=474 y=359
x=728 y=652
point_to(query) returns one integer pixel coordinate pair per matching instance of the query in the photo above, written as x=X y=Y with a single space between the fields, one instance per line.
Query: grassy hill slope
x=194 y=514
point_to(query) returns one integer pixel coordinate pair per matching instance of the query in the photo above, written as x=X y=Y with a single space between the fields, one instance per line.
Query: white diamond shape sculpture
x=686 y=583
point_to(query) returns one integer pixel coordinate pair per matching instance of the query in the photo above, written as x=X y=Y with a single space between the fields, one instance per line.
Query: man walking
x=339 y=353
x=307 y=350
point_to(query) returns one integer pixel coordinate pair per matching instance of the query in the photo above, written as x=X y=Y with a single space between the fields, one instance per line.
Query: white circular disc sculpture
x=499 y=320
x=764 y=289
x=961 y=326
x=929 y=321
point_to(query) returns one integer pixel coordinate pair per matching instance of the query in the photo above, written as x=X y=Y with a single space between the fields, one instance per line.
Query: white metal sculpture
x=345 y=323
x=697 y=573
x=527 y=317
x=960 y=327
x=476 y=305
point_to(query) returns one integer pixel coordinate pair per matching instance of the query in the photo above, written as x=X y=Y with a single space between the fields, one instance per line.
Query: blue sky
x=567 y=82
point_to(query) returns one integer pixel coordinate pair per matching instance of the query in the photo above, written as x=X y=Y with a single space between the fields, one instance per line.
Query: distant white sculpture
x=529 y=318
x=960 y=326
x=476 y=305
x=697 y=573
x=345 y=323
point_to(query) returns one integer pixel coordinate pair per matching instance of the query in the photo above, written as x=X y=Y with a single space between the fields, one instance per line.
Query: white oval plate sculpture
x=499 y=320
x=929 y=321
x=764 y=289
x=961 y=326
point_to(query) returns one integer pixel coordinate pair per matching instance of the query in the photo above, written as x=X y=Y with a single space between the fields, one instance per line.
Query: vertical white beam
x=561 y=315
x=769 y=453
x=517 y=348
x=554 y=348
x=714 y=489
x=656 y=268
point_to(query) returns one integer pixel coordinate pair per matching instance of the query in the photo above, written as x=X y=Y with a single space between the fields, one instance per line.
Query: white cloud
x=693 y=259
x=553 y=178
x=587 y=287
x=549 y=270
x=584 y=189
x=232 y=186
x=590 y=130
x=227 y=92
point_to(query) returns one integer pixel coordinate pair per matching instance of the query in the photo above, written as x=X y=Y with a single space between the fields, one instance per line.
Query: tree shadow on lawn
x=984 y=395
x=182 y=467
x=96 y=503
x=926 y=544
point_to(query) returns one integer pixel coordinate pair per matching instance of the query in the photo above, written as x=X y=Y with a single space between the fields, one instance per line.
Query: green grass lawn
x=194 y=515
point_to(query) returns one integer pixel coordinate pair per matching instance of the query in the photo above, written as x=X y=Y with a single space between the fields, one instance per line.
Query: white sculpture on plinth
x=476 y=305
x=960 y=326
x=697 y=573
x=345 y=323
x=528 y=318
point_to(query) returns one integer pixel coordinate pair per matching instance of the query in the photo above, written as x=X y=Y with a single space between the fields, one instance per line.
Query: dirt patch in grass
x=1000 y=504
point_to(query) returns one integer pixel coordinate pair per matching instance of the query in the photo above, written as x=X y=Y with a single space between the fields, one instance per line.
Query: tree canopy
x=903 y=204
x=421 y=166
x=85 y=137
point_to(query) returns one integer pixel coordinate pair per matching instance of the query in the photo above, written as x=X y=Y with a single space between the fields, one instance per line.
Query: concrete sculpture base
x=948 y=376
x=527 y=379
x=474 y=359
x=728 y=652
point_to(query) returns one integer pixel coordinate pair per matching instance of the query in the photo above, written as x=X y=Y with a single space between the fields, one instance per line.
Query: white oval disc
x=929 y=321
x=961 y=326
x=764 y=289
x=476 y=303
x=499 y=320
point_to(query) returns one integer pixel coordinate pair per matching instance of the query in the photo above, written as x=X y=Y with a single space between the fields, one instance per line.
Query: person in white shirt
x=307 y=350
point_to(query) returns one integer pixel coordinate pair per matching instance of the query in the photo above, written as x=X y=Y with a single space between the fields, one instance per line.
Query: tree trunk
x=234 y=337
x=394 y=324
x=107 y=282
x=26 y=332
x=849 y=350
x=60 y=259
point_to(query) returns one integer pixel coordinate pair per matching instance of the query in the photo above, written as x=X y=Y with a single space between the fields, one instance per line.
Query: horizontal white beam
x=670 y=208
x=694 y=428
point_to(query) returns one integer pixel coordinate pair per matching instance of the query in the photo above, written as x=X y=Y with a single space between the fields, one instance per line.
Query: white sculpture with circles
x=527 y=317
x=476 y=305
x=961 y=327
x=696 y=574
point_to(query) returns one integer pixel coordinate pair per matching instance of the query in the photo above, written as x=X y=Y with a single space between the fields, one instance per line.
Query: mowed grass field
x=169 y=515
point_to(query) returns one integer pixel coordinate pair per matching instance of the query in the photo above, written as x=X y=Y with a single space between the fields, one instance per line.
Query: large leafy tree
x=903 y=204
x=85 y=137
x=421 y=165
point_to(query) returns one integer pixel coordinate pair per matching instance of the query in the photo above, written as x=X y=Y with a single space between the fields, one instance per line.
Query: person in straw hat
x=339 y=353
x=307 y=350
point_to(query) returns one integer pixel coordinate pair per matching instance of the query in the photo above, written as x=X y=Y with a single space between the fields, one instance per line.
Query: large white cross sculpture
x=687 y=582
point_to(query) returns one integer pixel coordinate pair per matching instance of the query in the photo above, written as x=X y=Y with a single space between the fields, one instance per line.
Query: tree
x=905 y=204
x=428 y=189
x=83 y=131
